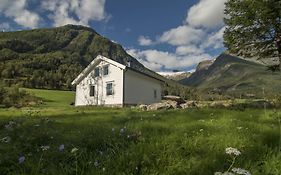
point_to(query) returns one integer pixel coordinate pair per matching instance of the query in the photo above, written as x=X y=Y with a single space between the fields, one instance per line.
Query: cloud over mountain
x=18 y=12
x=201 y=30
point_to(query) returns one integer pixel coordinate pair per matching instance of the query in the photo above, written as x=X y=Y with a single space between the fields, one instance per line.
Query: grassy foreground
x=56 y=138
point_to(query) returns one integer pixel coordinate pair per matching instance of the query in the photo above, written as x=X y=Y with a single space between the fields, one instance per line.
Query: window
x=92 y=90
x=155 y=93
x=109 y=89
x=105 y=70
x=97 y=72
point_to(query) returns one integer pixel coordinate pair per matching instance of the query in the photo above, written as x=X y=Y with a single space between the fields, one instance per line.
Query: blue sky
x=164 y=35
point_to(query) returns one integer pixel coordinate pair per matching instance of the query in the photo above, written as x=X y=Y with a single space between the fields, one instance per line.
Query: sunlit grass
x=127 y=141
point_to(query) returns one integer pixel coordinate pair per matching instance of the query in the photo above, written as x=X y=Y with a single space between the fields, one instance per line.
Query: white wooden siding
x=139 y=88
x=115 y=76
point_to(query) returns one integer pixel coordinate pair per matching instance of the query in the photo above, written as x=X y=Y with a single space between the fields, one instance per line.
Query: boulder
x=159 y=106
x=189 y=104
x=142 y=107
x=177 y=99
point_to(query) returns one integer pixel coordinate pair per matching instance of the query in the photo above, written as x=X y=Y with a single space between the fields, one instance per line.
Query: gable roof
x=93 y=64
x=100 y=58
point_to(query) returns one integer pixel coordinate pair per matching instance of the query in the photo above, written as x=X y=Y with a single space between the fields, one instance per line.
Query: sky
x=164 y=35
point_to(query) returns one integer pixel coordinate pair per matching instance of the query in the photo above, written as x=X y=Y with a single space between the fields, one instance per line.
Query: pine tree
x=253 y=28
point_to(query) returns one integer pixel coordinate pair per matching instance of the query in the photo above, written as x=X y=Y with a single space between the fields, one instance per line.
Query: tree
x=253 y=28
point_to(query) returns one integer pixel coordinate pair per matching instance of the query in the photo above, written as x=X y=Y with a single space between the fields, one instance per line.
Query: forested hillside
x=52 y=58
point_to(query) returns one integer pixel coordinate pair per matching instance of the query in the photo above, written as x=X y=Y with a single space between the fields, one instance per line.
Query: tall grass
x=125 y=141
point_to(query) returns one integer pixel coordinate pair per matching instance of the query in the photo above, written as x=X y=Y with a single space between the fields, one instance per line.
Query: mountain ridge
x=53 y=57
x=231 y=75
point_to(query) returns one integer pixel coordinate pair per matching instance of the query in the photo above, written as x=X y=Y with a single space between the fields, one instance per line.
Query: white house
x=107 y=82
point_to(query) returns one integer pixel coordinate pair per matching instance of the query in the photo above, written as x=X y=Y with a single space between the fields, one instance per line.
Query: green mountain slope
x=231 y=75
x=52 y=58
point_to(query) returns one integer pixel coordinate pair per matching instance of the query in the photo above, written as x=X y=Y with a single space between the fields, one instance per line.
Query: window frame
x=92 y=91
x=103 y=71
x=96 y=72
x=155 y=93
x=106 y=88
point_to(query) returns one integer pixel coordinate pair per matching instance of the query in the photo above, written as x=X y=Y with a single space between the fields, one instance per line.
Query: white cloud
x=145 y=41
x=207 y=13
x=189 y=49
x=18 y=12
x=159 y=60
x=84 y=10
x=201 y=32
x=182 y=35
x=215 y=39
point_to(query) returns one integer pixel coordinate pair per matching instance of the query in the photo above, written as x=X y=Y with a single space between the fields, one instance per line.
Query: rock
x=174 y=104
x=159 y=106
x=142 y=107
x=189 y=104
x=178 y=99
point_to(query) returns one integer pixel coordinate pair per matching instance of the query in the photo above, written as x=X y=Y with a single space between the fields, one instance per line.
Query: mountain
x=231 y=75
x=52 y=58
x=177 y=76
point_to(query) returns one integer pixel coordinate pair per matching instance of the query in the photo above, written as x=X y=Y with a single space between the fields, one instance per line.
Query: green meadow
x=56 y=138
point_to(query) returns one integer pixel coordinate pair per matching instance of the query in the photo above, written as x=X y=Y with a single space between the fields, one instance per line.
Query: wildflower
x=21 y=159
x=96 y=163
x=74 y=150
x=10 y=125
x=103 y=169
x=239 y=127
x=232 y=151
x=240 y=171
x=61 y=147
x=201 y=130
x=122 y=130
x=113 y=129
x=6 y=139
x=45 y=148
x=218 y=173
x=37 y=125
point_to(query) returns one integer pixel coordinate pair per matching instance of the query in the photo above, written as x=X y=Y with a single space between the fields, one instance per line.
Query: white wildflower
x=240 y=171
x=10 y=125
x=96 y=163
x=232 y=151
x=6 y=139
x=122 y=130
x=239 y=127
x=74 y=150
x=45 y=148
x=201 y=130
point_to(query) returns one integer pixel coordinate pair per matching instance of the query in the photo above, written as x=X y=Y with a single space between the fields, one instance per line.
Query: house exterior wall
x=139 y=88
x=115 y=75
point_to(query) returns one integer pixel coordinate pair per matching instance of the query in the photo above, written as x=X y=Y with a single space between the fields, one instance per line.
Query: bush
x=15 y=97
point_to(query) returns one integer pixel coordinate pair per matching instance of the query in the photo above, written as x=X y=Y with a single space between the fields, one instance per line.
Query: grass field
x=57 y=138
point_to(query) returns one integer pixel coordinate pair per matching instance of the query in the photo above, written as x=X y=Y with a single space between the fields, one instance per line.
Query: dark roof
x=146 y=74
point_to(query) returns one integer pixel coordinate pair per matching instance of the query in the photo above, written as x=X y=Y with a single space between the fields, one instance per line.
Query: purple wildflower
x=21 y=159
x=61 y=147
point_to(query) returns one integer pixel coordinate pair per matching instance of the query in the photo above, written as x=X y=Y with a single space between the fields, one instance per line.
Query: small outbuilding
x=107 y=82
